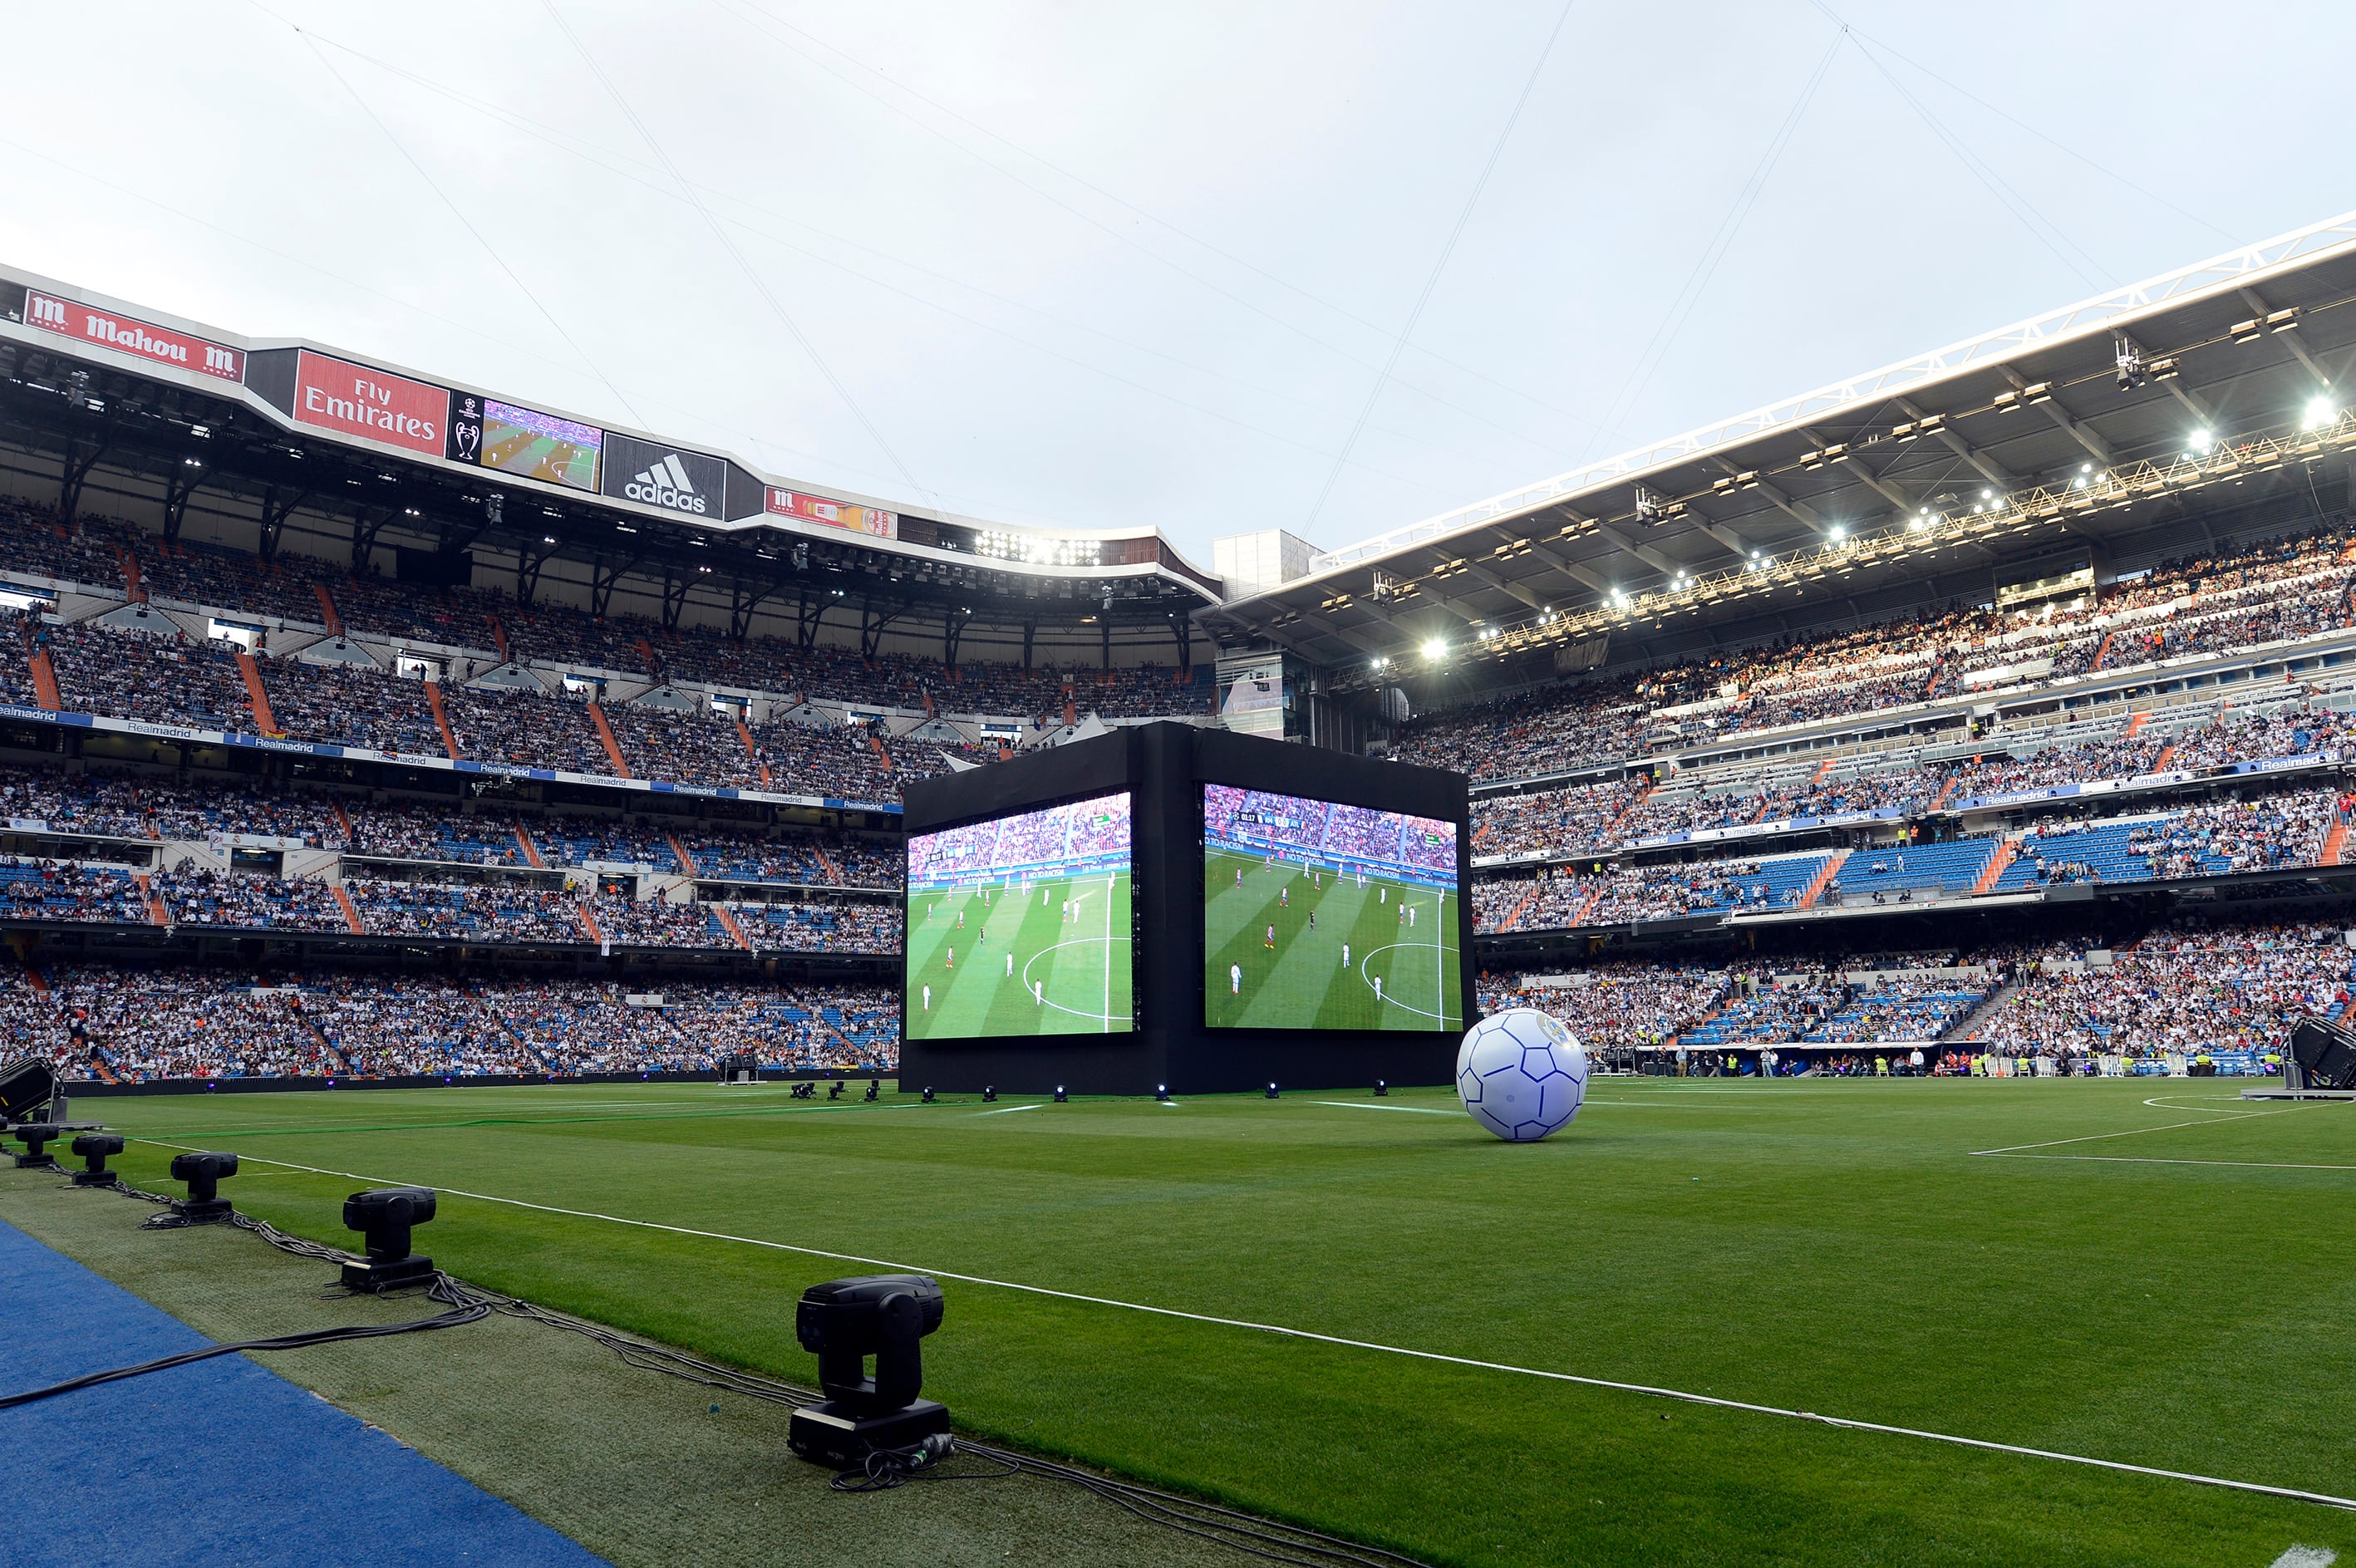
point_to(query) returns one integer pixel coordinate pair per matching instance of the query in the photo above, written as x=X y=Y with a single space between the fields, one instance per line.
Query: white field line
x=2214 y=1119
x=1009 y=1110
x=2140 y=1159
x=2290 y=1493
x=1369 y=1106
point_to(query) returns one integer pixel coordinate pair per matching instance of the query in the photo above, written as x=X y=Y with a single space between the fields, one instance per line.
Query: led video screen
x=1021 y=925
x=540 y=446
x=1322 y=916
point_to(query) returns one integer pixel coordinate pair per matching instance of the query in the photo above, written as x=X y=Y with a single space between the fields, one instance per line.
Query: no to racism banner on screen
x=353 y=399
x=71 y=318
x=870 y=520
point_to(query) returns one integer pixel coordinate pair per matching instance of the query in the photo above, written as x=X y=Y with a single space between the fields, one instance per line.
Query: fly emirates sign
x=353 y=399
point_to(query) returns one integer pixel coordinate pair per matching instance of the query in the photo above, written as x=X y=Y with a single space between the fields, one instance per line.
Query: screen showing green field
x=1324 y=916
x=540 y=446
x=1019 y=925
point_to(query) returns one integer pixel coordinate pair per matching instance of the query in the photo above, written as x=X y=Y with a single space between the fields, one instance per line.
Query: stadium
x=1926 y=798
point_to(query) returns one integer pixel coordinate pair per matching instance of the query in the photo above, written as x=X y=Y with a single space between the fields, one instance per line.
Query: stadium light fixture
x=1272 y=1090
x=2202 y=444
x=1839 y=533
x=1435 y=649
x=1060 y=1096
x=2319 y=414
x=1161 y=1093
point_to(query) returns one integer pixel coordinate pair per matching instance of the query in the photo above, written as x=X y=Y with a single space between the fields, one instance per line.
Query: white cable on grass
x=2257 y=1489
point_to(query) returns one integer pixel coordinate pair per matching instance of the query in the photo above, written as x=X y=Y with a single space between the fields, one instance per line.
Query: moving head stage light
x=383 y=1217
x=94 y=1149
x=204 y=1173
x=842 y=1323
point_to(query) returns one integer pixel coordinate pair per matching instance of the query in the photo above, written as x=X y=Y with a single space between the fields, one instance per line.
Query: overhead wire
x=456 y=211
x=1151 y=217
x=1439 y=264
x=1705 y=266
x=1129 y=241
x=2023 y=210
x=623 y=167
x=760 y=284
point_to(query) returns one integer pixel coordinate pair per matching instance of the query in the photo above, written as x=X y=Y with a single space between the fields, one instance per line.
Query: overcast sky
x=1128 y=264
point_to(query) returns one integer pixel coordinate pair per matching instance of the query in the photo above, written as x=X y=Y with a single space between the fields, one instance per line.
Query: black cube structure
x=1170 y=1037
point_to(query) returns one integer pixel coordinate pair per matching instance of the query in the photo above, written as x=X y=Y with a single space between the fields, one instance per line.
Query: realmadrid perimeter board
x=1180 y=1030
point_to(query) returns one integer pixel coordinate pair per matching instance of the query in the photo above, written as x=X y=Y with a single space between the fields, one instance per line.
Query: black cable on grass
x=1296 y=1545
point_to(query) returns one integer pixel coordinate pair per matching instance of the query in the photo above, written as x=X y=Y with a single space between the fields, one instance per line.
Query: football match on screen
x=1363 y=786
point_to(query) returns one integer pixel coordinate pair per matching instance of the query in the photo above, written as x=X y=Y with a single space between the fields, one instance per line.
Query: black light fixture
x=834 y=1090
x=384 y=1218
x=1162 y=1094
x=1060 y=1096
x=1382 y=1090
x=929 y=1094
x=990 y=1093
x=1271 y=1091
x=874 y=1087
x=94 y=1147
x=36 y=1137
x=203 y=1172
x=843 y=1322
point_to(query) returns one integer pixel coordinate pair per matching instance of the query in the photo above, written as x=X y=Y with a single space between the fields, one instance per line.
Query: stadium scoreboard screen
x=1021 y=925
x=1318 y=916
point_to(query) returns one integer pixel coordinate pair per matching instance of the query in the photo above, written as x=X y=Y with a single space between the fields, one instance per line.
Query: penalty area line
x=2256 y=1489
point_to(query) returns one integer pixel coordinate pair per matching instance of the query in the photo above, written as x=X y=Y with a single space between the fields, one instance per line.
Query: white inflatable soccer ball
x=1521 y=1074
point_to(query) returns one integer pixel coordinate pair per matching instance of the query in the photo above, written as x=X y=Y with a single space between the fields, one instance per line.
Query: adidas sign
x=666 y=484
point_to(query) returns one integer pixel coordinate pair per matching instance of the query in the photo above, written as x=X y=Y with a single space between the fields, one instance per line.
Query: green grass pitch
x=1051 y=959
x=1323 y=975
x=2170 y=1289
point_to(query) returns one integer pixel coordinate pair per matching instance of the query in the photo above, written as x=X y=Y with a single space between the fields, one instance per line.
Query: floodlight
x=2201 y=445
x=25 y=1085
x=1382 y=1090
x=203 y=1171
x=929 y=1094
x=383 y=1218
x=94 y=1147
x=1271 y=1091
x=843 y=1322
x=37 y=1135
x=1161 y=1093
x=874 y=1087
x=2319 y=414
x=1060 y=1096
x=990 y=1093
x=1435 y=649
x=1839 y=533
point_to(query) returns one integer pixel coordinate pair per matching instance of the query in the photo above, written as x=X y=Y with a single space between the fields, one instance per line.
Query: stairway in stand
x=2004 y=851
x=351 y=911
x=606 y=735
x=264 y=722
x=1823 y=879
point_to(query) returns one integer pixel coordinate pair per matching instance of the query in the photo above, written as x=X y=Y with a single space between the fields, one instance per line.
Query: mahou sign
x=71 y=318
x=354 y=399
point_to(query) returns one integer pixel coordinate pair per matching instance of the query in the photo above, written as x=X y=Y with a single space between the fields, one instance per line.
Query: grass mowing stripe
x=561 y=1121
x=1983 y=1445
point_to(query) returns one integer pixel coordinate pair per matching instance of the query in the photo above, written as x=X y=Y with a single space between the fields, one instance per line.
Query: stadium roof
x=288 y=423
x=2048 y=432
